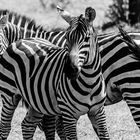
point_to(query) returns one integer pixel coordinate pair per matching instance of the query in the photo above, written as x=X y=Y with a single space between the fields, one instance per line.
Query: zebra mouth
x=71 y=71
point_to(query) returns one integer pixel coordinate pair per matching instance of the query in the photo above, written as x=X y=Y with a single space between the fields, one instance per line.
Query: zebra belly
x=125 y=83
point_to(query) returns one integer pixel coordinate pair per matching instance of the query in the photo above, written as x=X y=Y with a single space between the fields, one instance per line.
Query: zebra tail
x=133 y=47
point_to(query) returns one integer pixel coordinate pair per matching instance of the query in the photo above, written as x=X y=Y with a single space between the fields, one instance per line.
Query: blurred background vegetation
x=123 y=12
x=109 y=12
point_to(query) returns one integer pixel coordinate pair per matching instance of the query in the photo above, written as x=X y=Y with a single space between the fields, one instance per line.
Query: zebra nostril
x=71 y=70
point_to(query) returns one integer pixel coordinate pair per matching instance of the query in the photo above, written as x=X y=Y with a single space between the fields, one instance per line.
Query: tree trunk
x=134 y=11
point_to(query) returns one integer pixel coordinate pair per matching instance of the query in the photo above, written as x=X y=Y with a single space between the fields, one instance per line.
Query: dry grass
x=120 y=123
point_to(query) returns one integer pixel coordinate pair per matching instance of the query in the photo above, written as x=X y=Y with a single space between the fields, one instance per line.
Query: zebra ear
x=90 y=15
x=3 y=21
x=64 y=14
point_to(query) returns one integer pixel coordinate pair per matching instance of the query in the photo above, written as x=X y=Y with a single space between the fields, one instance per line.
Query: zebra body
x=74 y=104
x=35 y=69
x=92 y=100
x=121 y=73
x=21 y=65
x=34 y=58
x=119 y=68
x=8 y=34
x=123 y=81
x=57 y=38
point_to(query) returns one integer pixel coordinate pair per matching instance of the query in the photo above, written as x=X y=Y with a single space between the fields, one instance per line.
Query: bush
x=117 y=12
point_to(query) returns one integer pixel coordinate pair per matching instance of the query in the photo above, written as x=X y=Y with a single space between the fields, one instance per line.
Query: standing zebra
x=79 y=27
x=73 y=105
x=8 y=34
x=111 y=45
x=27 y=64
x=119 y=70
x=93 y=100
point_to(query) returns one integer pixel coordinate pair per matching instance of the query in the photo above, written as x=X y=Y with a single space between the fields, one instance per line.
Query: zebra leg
x=60 y=127
x=30 y=122
x=51 y=123
x=8 y=109
x=47 y=125
x=134 y=106
x=69 y=124
x=98 y=120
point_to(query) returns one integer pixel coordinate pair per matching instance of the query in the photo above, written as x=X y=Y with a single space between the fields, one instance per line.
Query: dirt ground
x=119 y=120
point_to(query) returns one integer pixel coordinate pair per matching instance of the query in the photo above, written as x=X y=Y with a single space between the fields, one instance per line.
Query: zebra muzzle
x=71 y=71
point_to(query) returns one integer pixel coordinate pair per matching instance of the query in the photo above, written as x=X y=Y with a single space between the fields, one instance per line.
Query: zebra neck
x=56 y=37
x=12 y=34
x=94 y=64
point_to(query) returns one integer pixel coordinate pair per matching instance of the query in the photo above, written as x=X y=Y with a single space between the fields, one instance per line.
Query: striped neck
x=4 y=42
x=12 y=33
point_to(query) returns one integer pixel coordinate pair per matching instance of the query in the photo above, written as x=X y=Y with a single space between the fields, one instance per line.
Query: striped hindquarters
x=36 y=68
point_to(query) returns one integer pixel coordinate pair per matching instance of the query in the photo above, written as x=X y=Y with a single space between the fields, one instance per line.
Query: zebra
x=114 y=94
x=111 y=96
x=121 y=72
x=113 y=42
x=12 y=33
x=101 y=132
x=111 y=46
x=38 y=58
x=100 y=80
x=96 y=110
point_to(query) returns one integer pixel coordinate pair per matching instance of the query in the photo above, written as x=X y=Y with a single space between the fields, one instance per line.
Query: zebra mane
x=31 y=23
x=58 y=29
x=133 y=47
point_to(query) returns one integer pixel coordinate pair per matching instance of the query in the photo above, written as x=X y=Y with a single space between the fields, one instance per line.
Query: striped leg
x=51 y=123
x=30 y=122
x=47 y=125
x=98 y=120
x=60 y=127
x=69 y=124
x=133 y=103
x=8 y=109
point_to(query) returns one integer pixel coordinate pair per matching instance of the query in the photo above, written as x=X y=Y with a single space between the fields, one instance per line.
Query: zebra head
x=80 y=39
